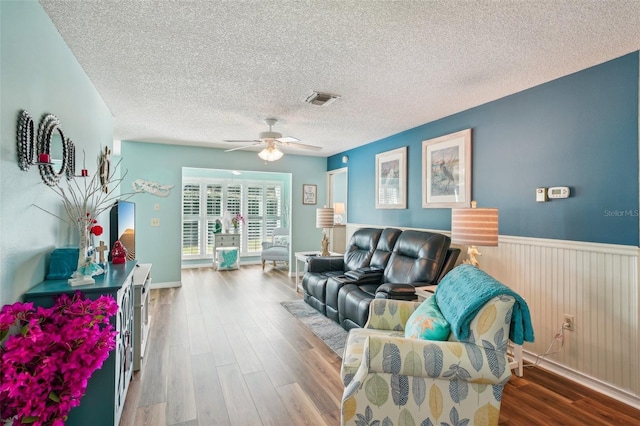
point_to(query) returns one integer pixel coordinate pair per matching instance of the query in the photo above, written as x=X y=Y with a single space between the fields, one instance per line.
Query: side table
x=229 y=245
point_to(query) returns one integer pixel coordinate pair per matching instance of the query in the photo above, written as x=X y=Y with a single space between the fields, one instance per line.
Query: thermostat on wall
x=559 y=192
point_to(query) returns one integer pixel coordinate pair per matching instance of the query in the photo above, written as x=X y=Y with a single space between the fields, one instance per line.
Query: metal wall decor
x=49 y=149
x=47 y=140
x=25 y=140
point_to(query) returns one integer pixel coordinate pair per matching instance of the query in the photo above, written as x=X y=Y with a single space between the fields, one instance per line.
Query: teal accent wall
x=580 y=131
x=164 y=164
x=39 y=73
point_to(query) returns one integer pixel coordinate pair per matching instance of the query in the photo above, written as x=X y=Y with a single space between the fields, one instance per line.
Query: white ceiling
x=199 y=72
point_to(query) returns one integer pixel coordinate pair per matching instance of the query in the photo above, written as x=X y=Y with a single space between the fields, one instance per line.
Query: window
x=206 y=201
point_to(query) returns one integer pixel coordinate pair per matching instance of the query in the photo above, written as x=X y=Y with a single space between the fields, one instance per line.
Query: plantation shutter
x=255 y=202
x=206 y=200
x=214 y=211
x=273 y=214
x=191 y=220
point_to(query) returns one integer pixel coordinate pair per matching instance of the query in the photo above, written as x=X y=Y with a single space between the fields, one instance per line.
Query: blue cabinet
x=107 y=388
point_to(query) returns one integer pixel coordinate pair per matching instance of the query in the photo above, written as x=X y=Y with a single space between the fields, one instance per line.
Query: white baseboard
x=583 y=379
x=169 y=284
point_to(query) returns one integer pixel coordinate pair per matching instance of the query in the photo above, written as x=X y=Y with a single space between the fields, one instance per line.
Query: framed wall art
x=391 y=179
x=309 y=194
x=446 y=171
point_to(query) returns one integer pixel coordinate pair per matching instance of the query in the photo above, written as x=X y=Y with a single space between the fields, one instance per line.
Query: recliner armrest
x=325 y=264
x=364 y=276
x=396 y=291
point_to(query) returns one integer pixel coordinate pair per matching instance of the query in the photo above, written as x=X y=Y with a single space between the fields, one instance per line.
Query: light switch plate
x=541 y=195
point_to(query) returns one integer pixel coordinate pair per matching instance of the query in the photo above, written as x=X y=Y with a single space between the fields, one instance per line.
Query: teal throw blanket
x=466 y=289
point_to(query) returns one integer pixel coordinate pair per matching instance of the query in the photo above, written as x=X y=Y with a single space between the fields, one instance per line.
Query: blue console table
x=107 y=388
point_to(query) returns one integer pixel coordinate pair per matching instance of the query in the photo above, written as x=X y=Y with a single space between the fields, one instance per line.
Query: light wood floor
x=222 y=351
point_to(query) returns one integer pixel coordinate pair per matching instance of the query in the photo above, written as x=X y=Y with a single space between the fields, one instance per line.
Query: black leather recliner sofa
x=389 y=262
x=359 y=251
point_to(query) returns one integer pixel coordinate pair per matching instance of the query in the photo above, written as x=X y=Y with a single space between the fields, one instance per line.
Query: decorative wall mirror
x=26 y=140
x=52 y=146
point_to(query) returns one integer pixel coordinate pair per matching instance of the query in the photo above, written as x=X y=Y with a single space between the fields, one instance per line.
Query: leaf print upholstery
x=393 y=380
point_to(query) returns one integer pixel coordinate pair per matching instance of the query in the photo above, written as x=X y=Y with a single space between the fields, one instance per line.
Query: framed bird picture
x=391 y=179
x=446 y=171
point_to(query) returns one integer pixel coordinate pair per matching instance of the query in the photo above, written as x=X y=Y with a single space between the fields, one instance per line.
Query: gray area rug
x=329 y=331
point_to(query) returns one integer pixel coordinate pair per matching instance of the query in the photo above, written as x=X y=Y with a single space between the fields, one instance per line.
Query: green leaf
x=54 y=397
x=24 y=329
x=405 y=418
x=30 y=419
x=377 y=390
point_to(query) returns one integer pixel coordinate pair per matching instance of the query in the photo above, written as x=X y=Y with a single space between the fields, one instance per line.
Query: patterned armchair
x=278 y=249
x=396 y=380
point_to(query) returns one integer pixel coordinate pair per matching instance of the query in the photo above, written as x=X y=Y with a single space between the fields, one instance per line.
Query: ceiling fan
x=272 y=141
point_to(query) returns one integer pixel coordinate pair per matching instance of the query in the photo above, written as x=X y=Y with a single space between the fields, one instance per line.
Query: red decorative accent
x=118 y=253
x=85 y=172
x=44 y=158
x=96 y=230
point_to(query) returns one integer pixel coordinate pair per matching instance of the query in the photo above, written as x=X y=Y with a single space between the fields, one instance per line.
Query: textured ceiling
x=199 y=72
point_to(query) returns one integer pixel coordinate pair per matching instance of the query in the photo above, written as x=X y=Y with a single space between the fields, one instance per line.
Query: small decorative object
x=47 y=365
x=84 y=201
x=391 y=179
x=101 y=249
x=105 y=169
x=217 y=227
x=153 y=188
x=309 y=194
x=236 y=221
x=446 y=171
x=118 y=253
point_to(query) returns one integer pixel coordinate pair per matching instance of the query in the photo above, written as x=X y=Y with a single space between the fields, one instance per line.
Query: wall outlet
x=155 y=222
x=568 y=322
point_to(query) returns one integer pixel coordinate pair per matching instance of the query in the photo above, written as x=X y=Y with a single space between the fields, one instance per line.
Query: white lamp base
x=472 y=252
x=324 y=245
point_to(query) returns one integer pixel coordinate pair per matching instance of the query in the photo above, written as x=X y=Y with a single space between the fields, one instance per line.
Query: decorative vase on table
x=87 y=267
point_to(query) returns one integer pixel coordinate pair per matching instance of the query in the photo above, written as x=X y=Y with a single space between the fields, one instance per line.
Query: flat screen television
x=122 y=220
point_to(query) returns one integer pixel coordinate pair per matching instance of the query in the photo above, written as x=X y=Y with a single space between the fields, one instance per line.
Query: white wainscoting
x=597 y=284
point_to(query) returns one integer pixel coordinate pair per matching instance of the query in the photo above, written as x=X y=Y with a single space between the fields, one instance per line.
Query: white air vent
x=321 y=99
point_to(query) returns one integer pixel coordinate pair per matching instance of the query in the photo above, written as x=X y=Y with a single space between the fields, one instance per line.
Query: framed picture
x=446 y=171
x=309 y=194
x=391 y=179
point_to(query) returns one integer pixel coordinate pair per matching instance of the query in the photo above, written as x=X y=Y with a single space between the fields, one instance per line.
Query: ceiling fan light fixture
x=270 y=153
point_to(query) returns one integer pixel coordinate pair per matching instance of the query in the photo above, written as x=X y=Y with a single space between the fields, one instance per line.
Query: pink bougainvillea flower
x=47 y=356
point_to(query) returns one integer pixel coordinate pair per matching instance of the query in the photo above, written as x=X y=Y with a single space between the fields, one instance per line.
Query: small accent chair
x=391 y=379
x=278 y=249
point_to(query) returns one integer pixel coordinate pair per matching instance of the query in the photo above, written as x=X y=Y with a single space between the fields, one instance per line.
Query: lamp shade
x=474 y=227
x=270 y=153
x=339 y=208
x=324 y=217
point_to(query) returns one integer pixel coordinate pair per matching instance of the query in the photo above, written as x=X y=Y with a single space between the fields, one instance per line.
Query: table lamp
x=338 y=209
x=472 y=227
x=324 y=219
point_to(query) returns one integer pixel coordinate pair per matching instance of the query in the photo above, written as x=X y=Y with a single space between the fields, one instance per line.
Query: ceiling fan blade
x=301 y=145
x=286 y=139
x=243 y=147
x=242 y=140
